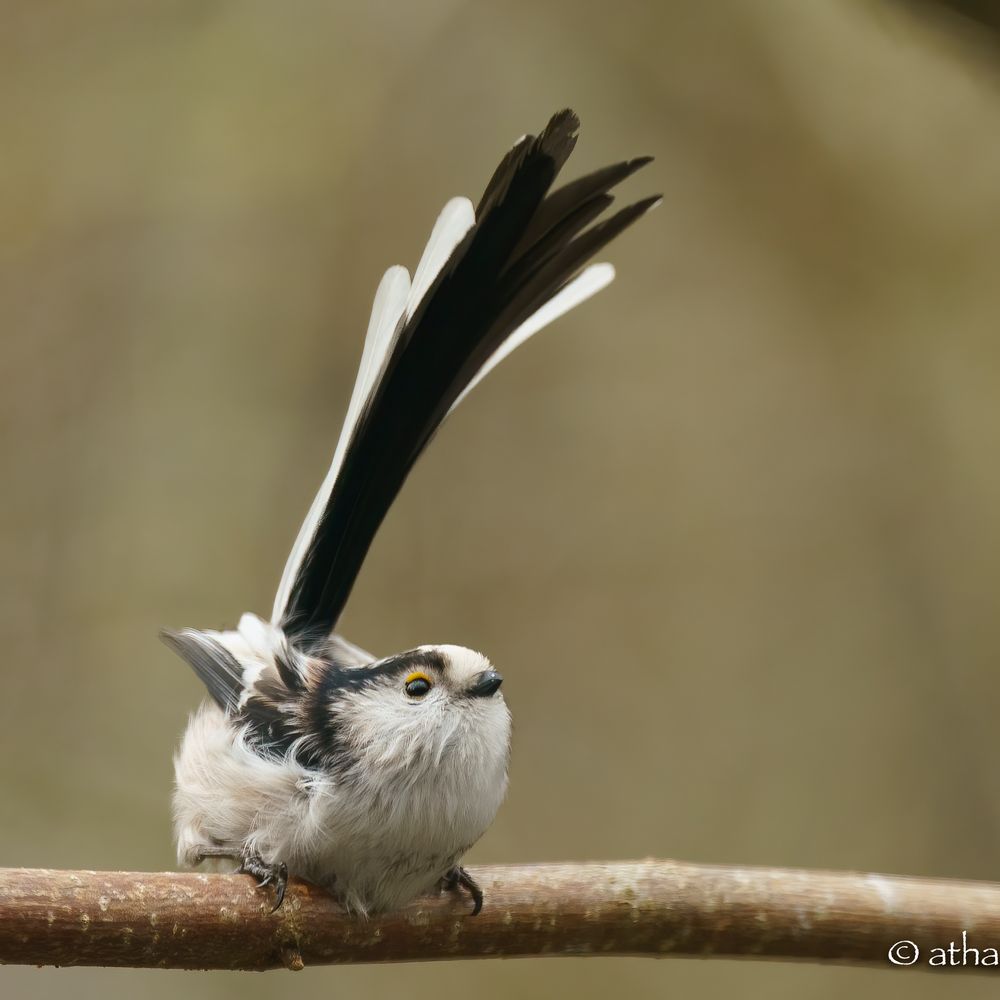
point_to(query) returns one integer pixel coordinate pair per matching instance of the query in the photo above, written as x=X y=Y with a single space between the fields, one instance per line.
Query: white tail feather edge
x=383 y=326
x=455 y=220
x=588 y=282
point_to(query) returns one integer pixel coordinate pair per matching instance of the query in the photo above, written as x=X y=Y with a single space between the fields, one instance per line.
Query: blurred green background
x=731 y=530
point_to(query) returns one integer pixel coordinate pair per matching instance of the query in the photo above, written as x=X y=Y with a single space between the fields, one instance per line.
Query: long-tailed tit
x=373 y=777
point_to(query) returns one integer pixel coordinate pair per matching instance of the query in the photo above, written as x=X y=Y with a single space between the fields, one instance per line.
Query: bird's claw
x=458 y=876
x=267 y=874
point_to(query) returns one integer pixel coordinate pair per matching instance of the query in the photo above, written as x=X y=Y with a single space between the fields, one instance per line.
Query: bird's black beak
x=488 y=682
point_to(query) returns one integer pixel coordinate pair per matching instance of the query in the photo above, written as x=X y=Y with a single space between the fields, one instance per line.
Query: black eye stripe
x=423 y=660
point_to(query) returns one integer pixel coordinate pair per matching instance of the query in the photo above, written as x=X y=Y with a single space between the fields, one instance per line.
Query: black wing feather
x=523 y=248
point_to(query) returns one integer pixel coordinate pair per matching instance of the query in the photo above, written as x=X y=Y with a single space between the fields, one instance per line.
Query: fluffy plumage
x=347 y=782
x=374 y=776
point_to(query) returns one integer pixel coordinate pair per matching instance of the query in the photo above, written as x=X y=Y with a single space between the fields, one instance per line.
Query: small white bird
x=373 y=777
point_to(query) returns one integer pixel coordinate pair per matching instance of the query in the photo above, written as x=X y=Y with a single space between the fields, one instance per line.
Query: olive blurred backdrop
x=731 y=530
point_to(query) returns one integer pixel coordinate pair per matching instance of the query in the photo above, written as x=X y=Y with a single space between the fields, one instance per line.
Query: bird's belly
x=377 y=844
x=378 y=852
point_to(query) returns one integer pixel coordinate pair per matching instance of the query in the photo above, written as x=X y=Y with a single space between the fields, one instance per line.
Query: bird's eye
x=417 y=685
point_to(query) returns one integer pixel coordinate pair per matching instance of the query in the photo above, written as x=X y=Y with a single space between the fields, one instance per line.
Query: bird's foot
x=275 y=874
x=458 y=876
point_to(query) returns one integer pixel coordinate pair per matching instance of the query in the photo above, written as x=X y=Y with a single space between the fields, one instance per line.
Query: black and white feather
x=373 y=776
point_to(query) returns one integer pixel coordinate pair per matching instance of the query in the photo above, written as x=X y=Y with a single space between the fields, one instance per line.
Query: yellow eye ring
x=417 y=684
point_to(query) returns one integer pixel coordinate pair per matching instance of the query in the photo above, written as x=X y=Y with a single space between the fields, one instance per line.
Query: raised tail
x=488 y=279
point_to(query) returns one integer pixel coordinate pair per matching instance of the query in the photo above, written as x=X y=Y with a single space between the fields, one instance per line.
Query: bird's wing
x=488 y=279
x=265 y=692
x=216 y=667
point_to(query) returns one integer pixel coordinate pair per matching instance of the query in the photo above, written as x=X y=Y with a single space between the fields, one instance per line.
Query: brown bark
x=652 y=908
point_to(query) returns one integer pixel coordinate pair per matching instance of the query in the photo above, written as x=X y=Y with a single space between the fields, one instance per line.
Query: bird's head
x=430 y=707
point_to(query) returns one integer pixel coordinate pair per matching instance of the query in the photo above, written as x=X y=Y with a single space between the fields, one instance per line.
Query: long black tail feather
x=525 y=246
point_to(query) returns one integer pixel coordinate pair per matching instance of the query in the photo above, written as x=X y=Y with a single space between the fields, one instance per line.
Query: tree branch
x=653 y=908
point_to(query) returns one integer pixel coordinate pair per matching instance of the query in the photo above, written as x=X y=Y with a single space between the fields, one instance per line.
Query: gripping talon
x=268 y=874
x=280 y=884
x=458 y=876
